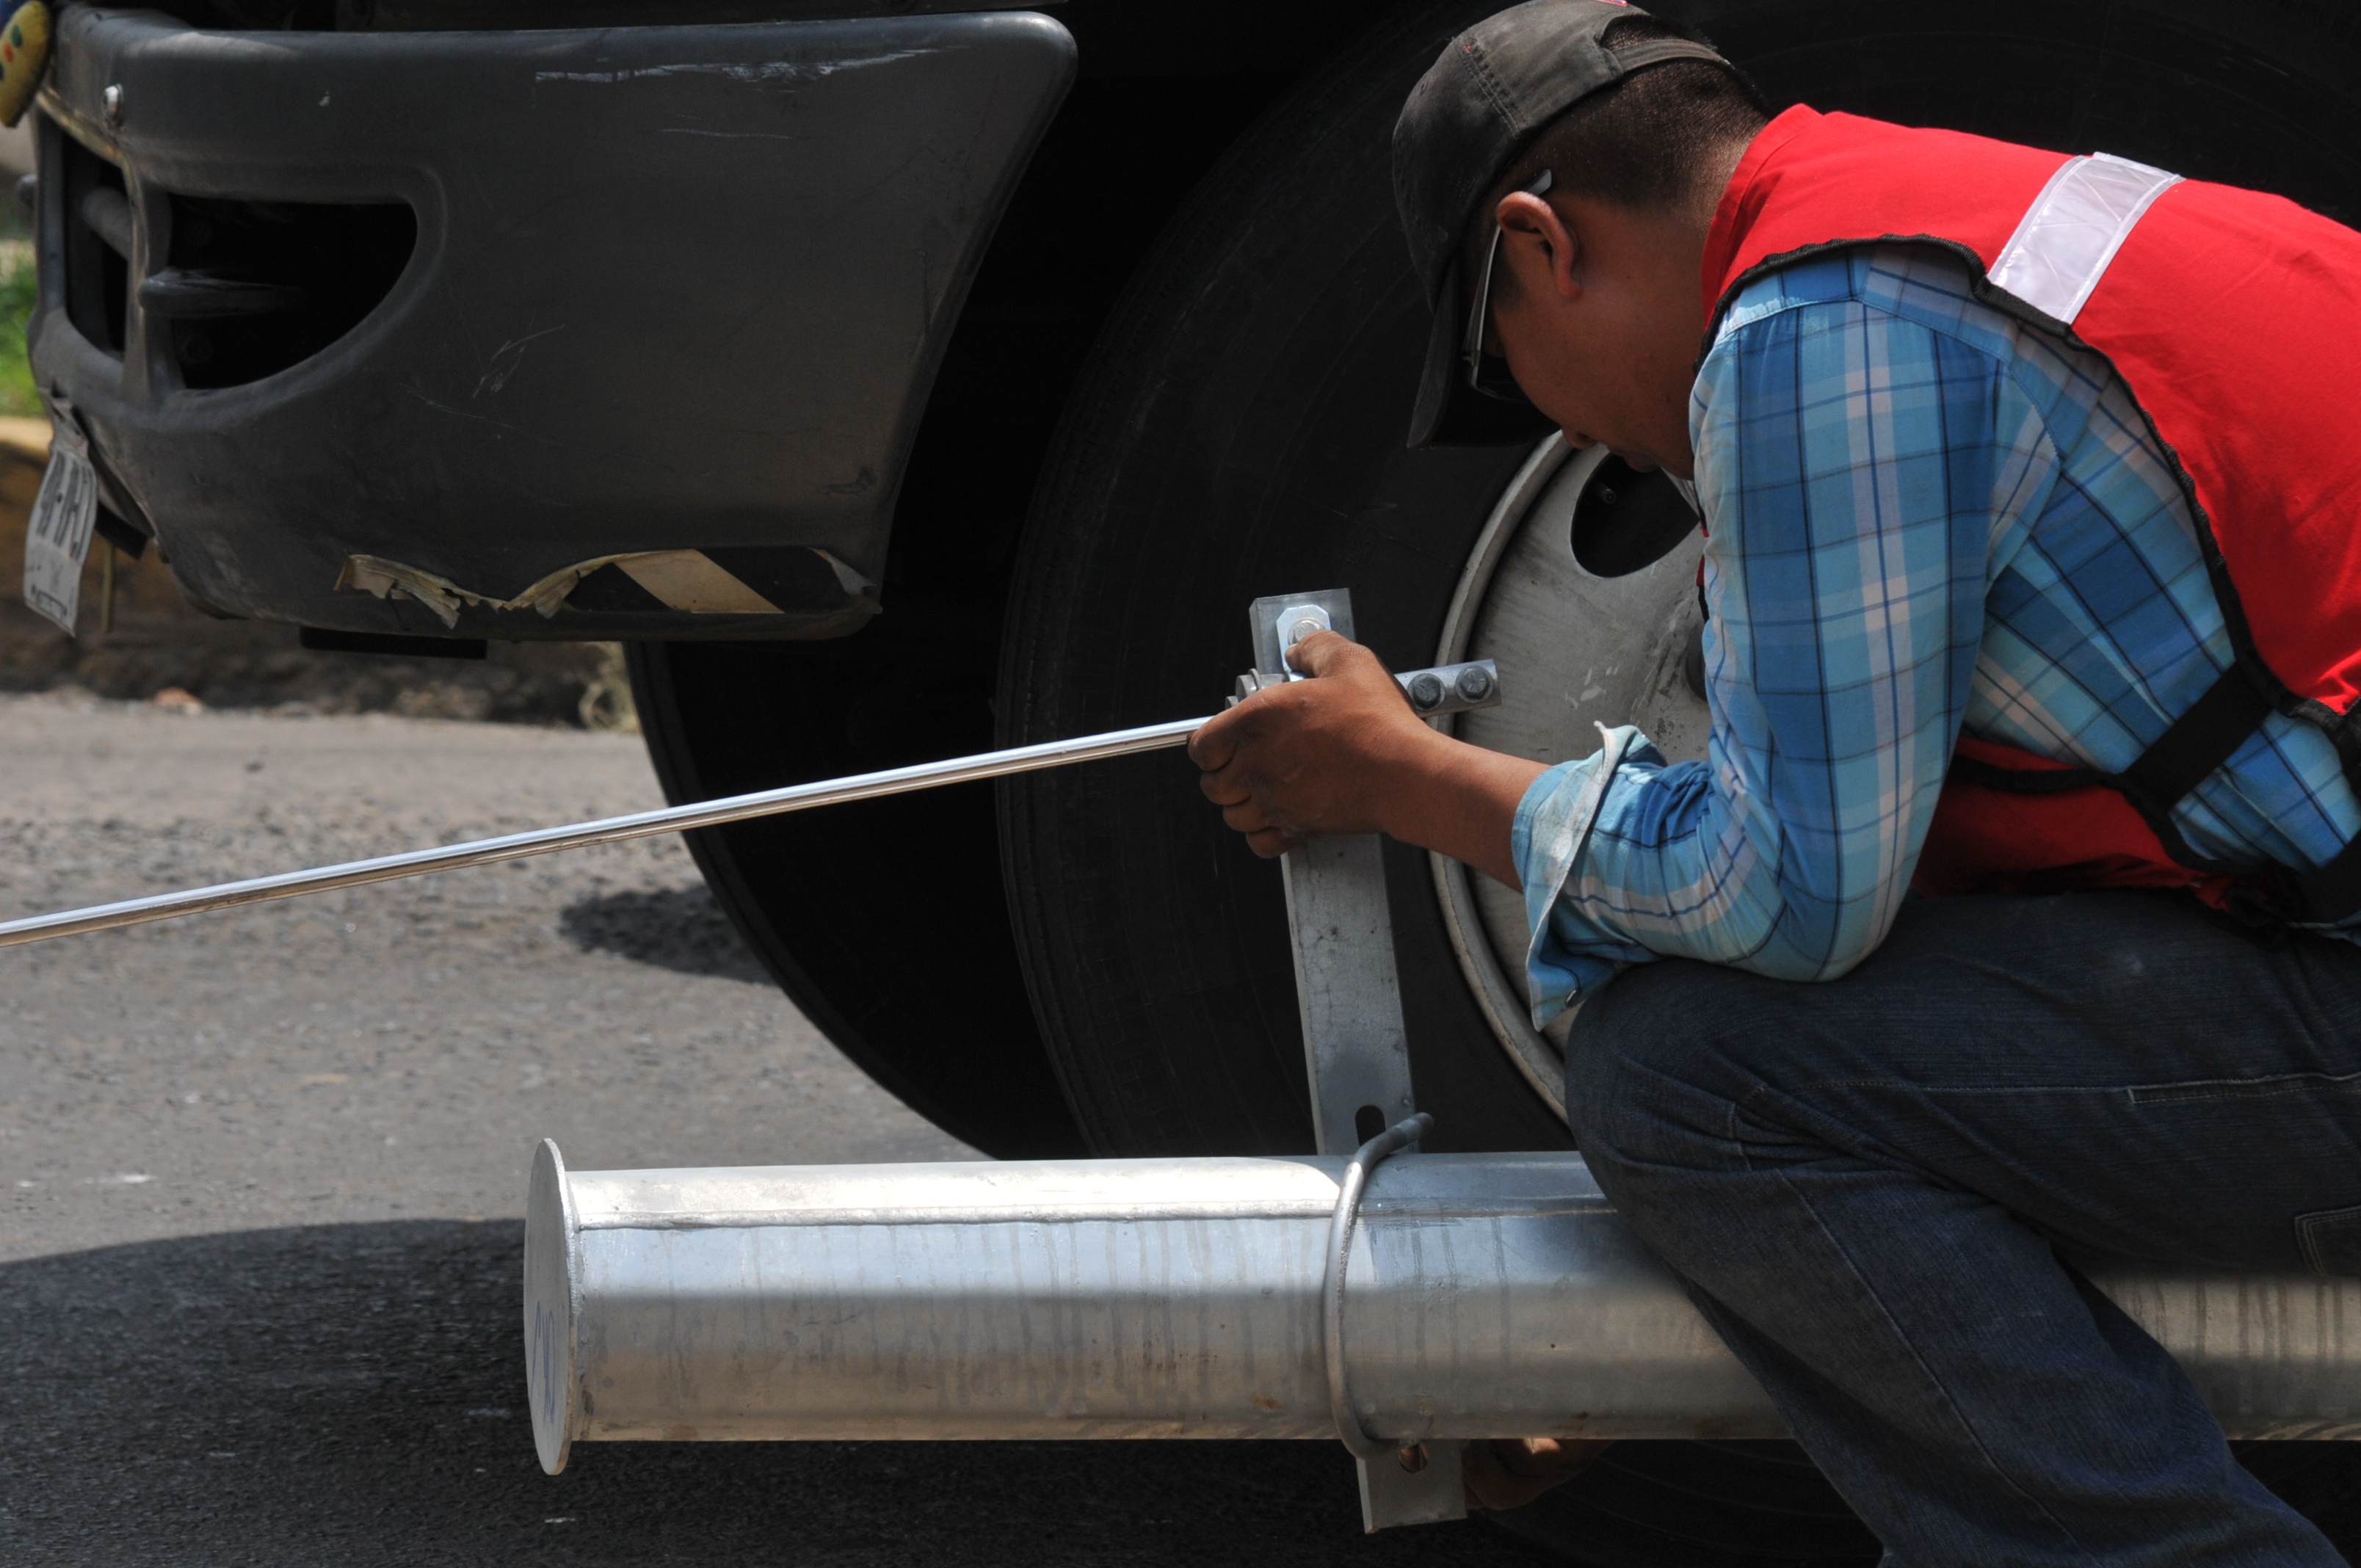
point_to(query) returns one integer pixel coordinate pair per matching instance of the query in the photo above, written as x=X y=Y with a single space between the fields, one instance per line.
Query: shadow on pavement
x=351 y=1394
x=679 y=928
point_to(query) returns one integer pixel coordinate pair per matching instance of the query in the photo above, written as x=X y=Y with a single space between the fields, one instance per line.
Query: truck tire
x=1240 y=433
x=824 y=899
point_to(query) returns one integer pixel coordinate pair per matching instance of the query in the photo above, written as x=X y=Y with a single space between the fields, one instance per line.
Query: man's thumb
x=1317 y=654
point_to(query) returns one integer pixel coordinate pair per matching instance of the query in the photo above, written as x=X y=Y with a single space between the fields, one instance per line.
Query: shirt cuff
x=1554 y=823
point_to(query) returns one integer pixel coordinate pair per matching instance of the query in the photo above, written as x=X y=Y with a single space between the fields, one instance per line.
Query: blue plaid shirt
x=1923 y=516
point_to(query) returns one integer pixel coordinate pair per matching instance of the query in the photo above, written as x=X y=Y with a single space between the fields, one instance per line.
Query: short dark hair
x=1655 y=141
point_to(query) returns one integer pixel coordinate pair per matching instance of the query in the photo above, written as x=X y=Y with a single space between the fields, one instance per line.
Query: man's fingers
x=1272 y=842
x=1263 y=836
x=1245 y=816
x=1213 y=742
x=1225 y=787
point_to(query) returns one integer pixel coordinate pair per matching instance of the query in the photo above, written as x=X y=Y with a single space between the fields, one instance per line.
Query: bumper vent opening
x=255 y=288
x=98 y=246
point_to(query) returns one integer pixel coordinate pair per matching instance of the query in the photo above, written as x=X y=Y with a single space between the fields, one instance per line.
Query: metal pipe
x=608 y=831
x=1488 y=1295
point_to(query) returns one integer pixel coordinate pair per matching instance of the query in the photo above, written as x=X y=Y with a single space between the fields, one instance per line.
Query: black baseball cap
x=1476 y=108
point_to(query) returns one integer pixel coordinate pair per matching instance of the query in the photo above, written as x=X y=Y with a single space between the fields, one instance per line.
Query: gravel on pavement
x=385 y=1052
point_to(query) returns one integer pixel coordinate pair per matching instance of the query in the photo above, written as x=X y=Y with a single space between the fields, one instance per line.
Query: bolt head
x=112 y=100
x=1425 y=691
x=1475 y=684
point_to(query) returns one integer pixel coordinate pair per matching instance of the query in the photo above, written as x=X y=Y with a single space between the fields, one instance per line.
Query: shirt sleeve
x=1858 y=472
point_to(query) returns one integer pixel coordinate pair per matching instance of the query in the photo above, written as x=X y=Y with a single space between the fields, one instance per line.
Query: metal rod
x=608 y=831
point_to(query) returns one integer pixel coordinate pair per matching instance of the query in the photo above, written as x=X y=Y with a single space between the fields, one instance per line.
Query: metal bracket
x=1280 y=621
x=1432 y=693
x=1355 y=1050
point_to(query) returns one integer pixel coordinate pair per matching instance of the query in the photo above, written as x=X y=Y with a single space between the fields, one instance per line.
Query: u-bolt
x=1347 y=1213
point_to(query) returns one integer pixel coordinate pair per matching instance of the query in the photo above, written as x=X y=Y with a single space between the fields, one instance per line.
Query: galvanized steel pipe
x=1488 y=1295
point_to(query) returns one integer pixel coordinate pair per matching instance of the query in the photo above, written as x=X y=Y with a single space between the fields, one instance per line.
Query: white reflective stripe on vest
x=2074 y=229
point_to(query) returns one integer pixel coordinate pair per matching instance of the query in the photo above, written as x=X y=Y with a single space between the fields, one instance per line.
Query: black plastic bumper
x=525 y=335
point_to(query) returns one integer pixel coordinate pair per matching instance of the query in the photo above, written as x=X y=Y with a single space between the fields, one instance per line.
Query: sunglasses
x=1489 y=373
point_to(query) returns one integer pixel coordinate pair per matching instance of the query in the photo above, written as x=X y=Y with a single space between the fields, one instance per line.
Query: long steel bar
x=1490 y=1295
x=608 y=831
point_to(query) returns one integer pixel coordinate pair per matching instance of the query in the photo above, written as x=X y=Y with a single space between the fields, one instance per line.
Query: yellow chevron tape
x=688 y=579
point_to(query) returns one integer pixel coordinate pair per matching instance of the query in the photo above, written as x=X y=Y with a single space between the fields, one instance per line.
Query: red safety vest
x=2234 y=319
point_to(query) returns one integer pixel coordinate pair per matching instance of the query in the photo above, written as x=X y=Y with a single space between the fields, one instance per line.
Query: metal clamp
x=1432 y=693
x=1367 y=1158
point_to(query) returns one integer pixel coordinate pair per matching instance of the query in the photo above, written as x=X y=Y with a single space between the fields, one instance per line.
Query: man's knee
x=1655 y=1063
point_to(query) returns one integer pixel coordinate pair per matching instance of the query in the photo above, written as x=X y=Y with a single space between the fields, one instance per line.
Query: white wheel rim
x=1575 y=649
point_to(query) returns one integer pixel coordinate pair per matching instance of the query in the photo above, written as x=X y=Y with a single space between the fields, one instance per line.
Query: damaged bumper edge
x=731 y=582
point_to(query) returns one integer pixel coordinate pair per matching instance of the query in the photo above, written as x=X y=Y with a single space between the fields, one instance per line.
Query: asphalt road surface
x=263 y=1173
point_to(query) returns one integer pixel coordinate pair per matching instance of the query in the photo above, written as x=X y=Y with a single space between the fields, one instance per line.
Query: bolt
x=1301 y=630
x=113 y=101
x=1475 y=684
x=1425 y=691
x=1605 y=495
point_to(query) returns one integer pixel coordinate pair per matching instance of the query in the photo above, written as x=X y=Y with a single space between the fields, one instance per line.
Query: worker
x=2033 y=570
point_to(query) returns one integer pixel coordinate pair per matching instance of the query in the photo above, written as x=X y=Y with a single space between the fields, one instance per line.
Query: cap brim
x=1450 y=412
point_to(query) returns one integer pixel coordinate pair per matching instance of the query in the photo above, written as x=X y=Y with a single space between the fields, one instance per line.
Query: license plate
x=57 y=537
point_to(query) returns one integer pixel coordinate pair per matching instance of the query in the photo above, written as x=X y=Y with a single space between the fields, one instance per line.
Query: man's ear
x=1537 y=229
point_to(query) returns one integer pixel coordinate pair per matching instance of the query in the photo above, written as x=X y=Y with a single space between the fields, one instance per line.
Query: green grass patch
x=16 y=293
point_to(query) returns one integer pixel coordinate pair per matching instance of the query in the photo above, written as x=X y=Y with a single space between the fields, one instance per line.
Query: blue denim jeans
x=1861 y=1181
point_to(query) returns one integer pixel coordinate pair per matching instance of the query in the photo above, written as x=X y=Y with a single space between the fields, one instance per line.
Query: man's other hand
x=1509 y=1472
x=1333 y=754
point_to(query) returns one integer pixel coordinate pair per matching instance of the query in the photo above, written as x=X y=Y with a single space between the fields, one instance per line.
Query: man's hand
x=1343 y=752
x=1509 y=1472
x=1317 y=756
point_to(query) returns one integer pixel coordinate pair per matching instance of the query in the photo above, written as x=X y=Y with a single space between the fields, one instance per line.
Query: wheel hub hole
x=1626 y=520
